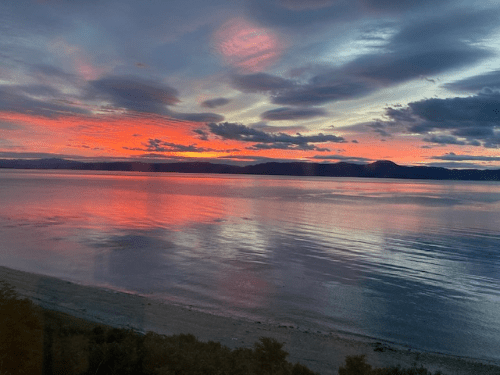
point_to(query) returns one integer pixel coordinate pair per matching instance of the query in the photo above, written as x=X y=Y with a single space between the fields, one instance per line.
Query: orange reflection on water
x=114 y=200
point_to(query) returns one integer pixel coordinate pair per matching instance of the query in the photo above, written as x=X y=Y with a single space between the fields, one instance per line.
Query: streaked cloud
x=158 y=145
x=457 y=157
x=217 y=102
x=337 y=157
x=135 y=94
x=487 y=81
x=287 y=113
x=261 y=82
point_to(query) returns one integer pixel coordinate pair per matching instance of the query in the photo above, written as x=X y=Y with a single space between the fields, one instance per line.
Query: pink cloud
x=246 y=46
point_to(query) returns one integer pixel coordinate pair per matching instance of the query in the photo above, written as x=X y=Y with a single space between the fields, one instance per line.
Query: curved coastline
x=320 y=351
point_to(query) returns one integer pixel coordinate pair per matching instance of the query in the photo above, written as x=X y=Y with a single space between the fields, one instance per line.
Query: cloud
x=158 y=145
x=212 y=103
x=36 y=100
x=287 y=113
x=38 y=155
x=301 y=4
x=476 y=83
x=287 y=146
x=203 y=135
x=139 y=95
x=277 y=129
x=473 y=120
x=451 y=156
x=417 y=49
x=444 y=140
x=343 y=158
x=463 y=26
x=380 y=128
x=135 y=94
x=443 y=112
x=44 y=72
x=459 y=165
x=400 y=6
x=405 y=64
x=7 y=125
x=260 y=83
x=195 y=117
x=265 y=141
x=247 y=46
x=329 y=87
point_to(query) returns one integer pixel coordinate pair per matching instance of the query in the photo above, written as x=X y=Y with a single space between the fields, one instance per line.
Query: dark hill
x=378 y=169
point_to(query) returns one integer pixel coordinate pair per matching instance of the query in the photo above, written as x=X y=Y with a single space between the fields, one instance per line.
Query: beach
x=323 y=352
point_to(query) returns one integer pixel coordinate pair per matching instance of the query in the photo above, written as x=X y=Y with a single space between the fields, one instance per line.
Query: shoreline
x=321 y=352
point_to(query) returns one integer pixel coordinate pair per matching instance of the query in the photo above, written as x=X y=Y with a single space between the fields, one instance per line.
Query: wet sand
x=321 y=351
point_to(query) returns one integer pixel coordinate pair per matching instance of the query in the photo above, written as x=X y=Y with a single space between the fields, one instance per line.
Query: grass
x=38 y=341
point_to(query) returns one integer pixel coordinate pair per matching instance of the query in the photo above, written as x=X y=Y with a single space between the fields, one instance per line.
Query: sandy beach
x=323 y=352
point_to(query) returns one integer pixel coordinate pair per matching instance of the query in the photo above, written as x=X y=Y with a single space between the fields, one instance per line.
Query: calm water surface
x=412 y=262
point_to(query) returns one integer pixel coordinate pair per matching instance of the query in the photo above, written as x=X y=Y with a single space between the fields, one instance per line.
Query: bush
x=21 y=334
x=75 y=347
x=356 y=365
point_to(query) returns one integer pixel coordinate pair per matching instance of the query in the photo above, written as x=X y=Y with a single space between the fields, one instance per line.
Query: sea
x=410 y=262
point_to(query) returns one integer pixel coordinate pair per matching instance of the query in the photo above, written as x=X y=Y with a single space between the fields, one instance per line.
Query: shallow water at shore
x=412 y=262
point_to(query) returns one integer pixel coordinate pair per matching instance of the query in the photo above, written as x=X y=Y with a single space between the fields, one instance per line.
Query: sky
x=250 y=81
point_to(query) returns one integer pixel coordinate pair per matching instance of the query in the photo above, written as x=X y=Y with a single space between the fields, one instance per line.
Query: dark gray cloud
x=337 y=157
x=277 y=129
x=290 y=14
x=158 y=145
x=324 y=88
x=380 y=128
x=203 y=135
x=51 y=72
x=484 y=109
x=196 y=117
x=260 y=83
x=400 y=6
x=286 y=146
x=473 y=120
x=136 y=94
x=462 y=26
x=36 y=100
x=38 y=155
x=477 y=83
x=405 y=64
x=287 y=113
x=301 y=14
x=451 y=156
x=266 y=141
x=459 y=165
x=217 y=102
x=37 y=90
x=444 y=140
x=301 y=4
x=141 y=95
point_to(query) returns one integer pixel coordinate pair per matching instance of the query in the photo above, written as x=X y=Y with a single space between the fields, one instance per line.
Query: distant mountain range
x=378 y=169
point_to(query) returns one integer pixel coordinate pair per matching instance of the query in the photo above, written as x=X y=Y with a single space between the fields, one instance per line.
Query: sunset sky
x=247 y=81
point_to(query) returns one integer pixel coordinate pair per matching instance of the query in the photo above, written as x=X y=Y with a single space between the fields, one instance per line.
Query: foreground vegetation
x=37 y=341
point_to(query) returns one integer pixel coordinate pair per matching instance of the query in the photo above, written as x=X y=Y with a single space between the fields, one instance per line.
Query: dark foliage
x=36 y=341
x=356 y=365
